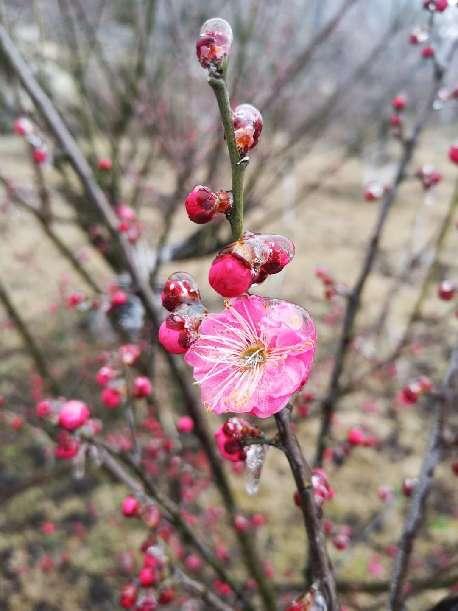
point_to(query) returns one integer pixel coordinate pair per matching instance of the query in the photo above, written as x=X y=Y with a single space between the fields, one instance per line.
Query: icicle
x=79 y=462
x=255 y=456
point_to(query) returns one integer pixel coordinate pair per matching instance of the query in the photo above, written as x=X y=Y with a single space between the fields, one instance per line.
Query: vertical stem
x=320 y=565
x=238 y=164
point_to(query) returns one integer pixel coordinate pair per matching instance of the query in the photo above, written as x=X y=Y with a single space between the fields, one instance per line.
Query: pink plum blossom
x=253 y=356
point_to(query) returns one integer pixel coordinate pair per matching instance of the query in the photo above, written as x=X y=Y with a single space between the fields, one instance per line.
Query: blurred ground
x=330 y=230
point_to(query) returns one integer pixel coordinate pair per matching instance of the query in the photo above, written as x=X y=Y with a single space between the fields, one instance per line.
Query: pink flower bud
x=105 y=164
x=73 y=415
x=179 y=288
x=446 y=290
x=214 y=43
x=427 y=52
x=147 y=577
x=435 y=6
x=142 y=387
x=43 y=408
x=104 y=375
x=173 y=336
x=185 y=424
x=399 y=102
x=130 y=507
x=23 y=126
x=373 y=191
x=111 y=397
x=356 y=436
x=40 y=155
x=247 y=122
x=67 y=446
x=200 y=205
x=129 y=353
x=128 y=596
x=453 y=153
x=408 y=486
x=229 y=276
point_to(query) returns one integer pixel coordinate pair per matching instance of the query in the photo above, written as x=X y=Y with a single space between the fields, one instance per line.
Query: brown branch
x=320 y=565
x=447 y=402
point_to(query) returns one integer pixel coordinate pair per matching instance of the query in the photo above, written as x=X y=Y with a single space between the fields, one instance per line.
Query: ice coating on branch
x=253 y=356
x=255 y=457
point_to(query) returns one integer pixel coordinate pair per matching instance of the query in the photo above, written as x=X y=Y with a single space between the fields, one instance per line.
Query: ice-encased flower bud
x=180 y=328
x=73 y=415
x=247 y=122
x=202 y=204
x=280 y=251
x=214 y=42
x=229 y=275
x=180 y=288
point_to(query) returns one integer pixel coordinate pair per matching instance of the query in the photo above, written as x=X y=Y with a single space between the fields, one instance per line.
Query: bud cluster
x=229 y=438
x=24 y=127
x=249 y=261
x=181 y=296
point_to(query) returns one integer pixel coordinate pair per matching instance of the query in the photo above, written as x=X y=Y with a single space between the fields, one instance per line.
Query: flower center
x=254 y=355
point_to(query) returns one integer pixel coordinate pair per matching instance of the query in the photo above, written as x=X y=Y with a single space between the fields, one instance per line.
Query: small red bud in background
x=230 y=276
x=453 y=153
x=408 y=486
x=142 y=387
x=111 y=397
x=73 y=415
x=130 y=507
x=105 y=164
x=185 y=424
x=104 y=375
x=399 y=103
x=23 y=126
x=427 y=52
x=446 y=290
x=128 y=596
x=40 y=155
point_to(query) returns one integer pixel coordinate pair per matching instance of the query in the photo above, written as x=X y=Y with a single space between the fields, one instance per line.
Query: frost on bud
x=446 y=290
x=418 y=36
x=180 y=328
x=435 y=6
x=214 y=43
x=247 y=122
x=249 y=261
x=255 y=457
x=202 y=204
x=23 y=126
x=229 y=438
x=180 y=288
x=312 y=601
x=322 y=490
x=373 y=191
x=428 y=176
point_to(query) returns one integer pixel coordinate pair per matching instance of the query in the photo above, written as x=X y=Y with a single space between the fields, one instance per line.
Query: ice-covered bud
x=428 y=176
x=418 y=36
x=409 y=394
x=104 y=375
x=23 y=126
x=356 y=436
x=322 y=490
x=67 y=446
x=453 y=153
x=129 y=353
x=341 y=541
x=142 y=387
x=214 y=43
x=180 y=288
x=229 y=438
x=130 y=507
x=280 y=251
x=247 y=122
x=436 y=6
x=408 y=486
x=180 y=328
x=399 y=102
x=373 y=191
x=147 y=577
x=255 y=457
x=446 y=290
x=73 y=415
x=202 y=204
x=230 y=276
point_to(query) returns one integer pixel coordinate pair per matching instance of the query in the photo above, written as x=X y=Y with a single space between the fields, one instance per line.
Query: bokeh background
x=124 y=77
